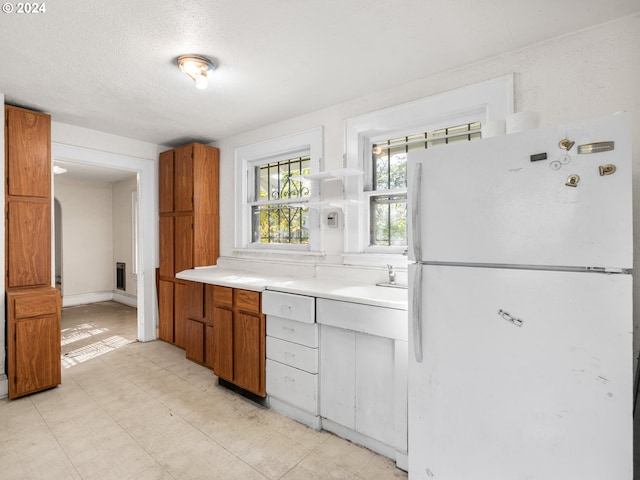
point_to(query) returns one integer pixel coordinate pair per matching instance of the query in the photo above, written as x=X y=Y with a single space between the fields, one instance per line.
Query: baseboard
x=85 y=298
x=4 y=386
x=125 y=299
x=359 y=438
x=306 y=418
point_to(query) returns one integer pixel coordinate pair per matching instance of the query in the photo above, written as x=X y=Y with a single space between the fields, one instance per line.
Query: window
x=273 y=200
x=278 y=212
x=388 y=182
x=379 y=142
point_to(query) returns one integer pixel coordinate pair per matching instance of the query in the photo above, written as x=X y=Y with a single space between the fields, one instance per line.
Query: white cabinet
x=292 y=356
x=363 y=387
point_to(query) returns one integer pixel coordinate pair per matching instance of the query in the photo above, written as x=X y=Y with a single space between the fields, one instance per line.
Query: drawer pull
x=289 y=379
x=289 y=329
x=289 y=356
x=285 y=309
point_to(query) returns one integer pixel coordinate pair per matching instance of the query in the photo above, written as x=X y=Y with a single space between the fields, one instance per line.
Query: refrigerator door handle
x=416 y=311
x=416 y=202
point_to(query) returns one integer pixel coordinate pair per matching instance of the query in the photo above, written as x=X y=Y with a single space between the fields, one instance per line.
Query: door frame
x=146 y=171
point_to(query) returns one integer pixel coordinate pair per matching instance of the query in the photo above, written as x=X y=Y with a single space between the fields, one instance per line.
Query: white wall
x=584 y=74
x=87 y=236
x=122 y=230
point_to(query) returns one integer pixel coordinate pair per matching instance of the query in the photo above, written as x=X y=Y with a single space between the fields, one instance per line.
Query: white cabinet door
x=378 y=394
x=337 y=375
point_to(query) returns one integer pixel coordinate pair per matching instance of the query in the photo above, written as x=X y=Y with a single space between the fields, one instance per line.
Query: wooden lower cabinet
x=239 y=338
x=172 y=314
x=199 y=336
x=225 y=331
x=33 y=340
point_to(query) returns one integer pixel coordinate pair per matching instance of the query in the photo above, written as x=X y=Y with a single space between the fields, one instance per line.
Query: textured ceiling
x=110 y=65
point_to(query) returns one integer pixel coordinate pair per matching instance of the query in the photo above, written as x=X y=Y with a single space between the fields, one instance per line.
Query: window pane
x=390 y=166
x=280 y=224
x=389 y=220
x=274 y=182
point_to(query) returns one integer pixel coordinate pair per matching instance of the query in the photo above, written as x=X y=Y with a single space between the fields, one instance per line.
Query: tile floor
x=129 y=410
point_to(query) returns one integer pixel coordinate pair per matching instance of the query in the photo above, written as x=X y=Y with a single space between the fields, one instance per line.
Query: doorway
x=145 y=170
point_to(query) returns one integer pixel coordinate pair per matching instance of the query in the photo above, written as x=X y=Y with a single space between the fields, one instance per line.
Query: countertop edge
x=309 y=286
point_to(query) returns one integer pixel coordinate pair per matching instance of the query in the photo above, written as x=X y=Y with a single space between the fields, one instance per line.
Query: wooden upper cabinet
x=28 y=243
x=165 y=172
x=27 y=198
x=189 y=177
x=28 y=152
x=188 y=202
x=183 y=179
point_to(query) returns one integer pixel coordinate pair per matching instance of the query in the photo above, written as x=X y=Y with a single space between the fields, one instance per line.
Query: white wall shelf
x=329 y=175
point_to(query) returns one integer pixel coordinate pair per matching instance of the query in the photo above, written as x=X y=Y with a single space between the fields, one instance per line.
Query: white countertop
x=334 y=289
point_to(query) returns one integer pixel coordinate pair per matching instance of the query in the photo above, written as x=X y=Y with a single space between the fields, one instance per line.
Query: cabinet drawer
x=222 y=296
x=293 y=386
x=292 y=331
x=288 y=305
x=248 y=300
x=293 y=354
x=379 y=321
x=34 y=306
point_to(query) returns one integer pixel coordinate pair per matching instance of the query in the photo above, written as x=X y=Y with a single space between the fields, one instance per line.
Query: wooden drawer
x=247 y=300
x=293 y=331
x=295 y=387
x=293 y=354
x=36 y=305
x=290 y=306
x=222 y=296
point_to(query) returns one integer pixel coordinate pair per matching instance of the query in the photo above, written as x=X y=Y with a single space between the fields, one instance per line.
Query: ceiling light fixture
x=197 y=67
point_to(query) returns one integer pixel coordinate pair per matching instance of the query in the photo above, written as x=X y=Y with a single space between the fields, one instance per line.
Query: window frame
x=482 y=102
x=248 y=157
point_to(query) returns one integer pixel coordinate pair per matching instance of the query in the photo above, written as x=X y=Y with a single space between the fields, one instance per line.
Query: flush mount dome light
x=197 y=67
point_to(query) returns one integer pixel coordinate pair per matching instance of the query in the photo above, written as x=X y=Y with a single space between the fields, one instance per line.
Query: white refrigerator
x=520 y=306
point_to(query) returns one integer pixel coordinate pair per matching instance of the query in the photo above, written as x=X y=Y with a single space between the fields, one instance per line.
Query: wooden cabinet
x=239 y=338
x=172 y=318
x=199 y=338
x=33 y=306
x=189 y=230
x=27 y=198
x=33 y=340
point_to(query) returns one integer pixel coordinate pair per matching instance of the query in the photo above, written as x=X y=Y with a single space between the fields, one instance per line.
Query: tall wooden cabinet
x=33 y=306
x=189 y=229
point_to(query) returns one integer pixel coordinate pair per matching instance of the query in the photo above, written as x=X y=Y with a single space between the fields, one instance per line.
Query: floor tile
x=141 y=411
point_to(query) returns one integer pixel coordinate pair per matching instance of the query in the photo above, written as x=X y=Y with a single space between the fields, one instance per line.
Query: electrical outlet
x=332 y=219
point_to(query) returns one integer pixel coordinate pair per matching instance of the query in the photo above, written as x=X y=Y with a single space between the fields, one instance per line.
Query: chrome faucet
x=392 y=275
